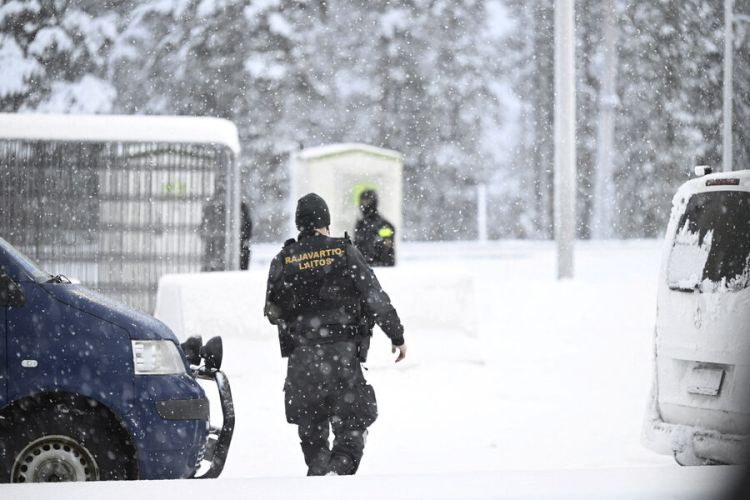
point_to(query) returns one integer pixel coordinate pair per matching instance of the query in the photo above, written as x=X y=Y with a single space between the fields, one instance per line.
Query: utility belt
x=292 y=338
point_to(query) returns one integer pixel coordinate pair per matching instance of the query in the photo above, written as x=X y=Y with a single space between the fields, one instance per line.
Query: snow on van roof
x=698 y=184
x=319 y=152
x=120 y=128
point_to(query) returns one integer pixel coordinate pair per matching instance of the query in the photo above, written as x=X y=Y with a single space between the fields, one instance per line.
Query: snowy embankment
x=515 y=384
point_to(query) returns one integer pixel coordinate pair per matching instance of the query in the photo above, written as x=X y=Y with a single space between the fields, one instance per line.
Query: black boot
x=348 y=447
x=317 y=458
x=313 y=435
x=342 y=464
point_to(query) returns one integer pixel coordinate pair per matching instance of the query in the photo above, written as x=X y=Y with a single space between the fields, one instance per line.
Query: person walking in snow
x=324 y=298
x=373 y=234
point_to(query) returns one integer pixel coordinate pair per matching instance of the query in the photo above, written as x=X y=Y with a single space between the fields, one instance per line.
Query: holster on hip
x=286 y=342
x=363 y=346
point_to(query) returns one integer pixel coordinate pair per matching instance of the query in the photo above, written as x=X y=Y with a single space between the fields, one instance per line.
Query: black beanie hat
x=368 y=203
x=312 y=212
x=369 y=198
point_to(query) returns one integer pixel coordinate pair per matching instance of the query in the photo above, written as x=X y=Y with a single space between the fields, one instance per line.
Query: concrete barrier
x=231 y=303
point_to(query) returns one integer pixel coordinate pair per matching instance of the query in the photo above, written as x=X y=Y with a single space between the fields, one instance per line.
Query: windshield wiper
x=58 y=278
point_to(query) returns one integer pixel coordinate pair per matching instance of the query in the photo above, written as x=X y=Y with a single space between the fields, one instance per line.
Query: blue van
x=93 y=390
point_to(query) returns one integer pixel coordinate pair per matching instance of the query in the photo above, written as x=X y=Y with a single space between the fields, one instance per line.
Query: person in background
x=323 y=297
x=212 y=233
x=374 y=236
x=246 y=232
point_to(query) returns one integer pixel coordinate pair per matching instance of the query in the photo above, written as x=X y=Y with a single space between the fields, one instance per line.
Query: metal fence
x=117 y=216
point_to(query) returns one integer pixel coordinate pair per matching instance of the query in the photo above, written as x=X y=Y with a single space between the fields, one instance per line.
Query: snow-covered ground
x=508 y=369
x=542 y=395
x=698 y=483
x=553 y=375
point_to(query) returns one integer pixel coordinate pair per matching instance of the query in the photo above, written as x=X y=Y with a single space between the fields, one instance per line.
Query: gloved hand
x=401 y=351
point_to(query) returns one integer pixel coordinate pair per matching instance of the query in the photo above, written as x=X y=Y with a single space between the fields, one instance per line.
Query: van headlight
x=157 y=357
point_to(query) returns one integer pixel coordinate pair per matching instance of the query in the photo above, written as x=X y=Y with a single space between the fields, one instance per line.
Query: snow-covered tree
x=415 y=76
x=436 y=68
x=741 y=83
x=54 y=56
x=670 y=118
x=246 y=62
x=463 y=88
x=531 y=57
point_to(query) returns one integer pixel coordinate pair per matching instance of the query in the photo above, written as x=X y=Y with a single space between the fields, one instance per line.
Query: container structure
x=115 y=202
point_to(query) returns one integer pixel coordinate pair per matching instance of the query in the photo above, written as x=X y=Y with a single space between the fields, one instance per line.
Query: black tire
x=63 y=440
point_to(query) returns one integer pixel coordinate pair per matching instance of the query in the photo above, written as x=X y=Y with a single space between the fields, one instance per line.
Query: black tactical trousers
x=245 y=255
x=325 y=389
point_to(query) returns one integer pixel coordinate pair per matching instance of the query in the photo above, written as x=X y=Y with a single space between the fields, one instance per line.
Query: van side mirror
x=11 y=294
x=192 y=349
x=213 y=353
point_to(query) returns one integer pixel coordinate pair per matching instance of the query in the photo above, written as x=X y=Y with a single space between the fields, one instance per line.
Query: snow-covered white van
x=699 y=409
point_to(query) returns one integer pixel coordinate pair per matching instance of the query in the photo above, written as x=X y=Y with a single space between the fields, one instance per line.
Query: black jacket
x=321 y=287
x=246 y=223
x=374 y=236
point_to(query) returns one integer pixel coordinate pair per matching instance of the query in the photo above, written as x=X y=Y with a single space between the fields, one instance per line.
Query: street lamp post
x=565 y=137
x=728 y=57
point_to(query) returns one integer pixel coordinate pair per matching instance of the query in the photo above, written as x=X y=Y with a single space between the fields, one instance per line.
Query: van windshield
x=711 y=249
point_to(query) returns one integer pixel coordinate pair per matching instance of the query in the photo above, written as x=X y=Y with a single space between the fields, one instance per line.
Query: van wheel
x=64 y=441
x=53 y=459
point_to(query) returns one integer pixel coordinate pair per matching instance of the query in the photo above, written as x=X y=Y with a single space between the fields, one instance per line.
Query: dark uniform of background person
x=246 y=232
x=325 y=299
x=373 y=234
x=212 y=233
